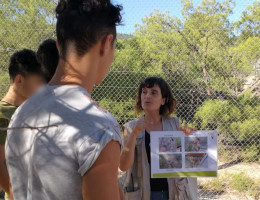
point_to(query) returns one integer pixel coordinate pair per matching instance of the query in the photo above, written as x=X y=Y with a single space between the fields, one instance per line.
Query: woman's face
x=151 y=99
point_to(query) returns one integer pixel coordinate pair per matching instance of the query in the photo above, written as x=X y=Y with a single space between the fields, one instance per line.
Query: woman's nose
x=148 y=95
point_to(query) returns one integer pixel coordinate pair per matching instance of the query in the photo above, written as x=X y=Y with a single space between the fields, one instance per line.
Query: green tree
x=199 y=53
x=249 y=23
x=24 y=24
x=237 y=121
x=206 y=34
x=197 y=48
x=243 y=57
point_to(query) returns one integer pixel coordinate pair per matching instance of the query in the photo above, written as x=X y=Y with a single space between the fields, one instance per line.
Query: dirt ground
x=226 y=170
x=250 y=169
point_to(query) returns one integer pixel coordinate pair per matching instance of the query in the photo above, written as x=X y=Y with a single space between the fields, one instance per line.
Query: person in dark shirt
x=155 y=99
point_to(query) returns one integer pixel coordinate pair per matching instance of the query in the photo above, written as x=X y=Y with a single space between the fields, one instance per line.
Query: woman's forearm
x=127 y=157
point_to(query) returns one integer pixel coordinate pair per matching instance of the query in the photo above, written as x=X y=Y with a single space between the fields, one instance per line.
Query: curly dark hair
x=24 y=63
x=170 y=102
x=85 y=22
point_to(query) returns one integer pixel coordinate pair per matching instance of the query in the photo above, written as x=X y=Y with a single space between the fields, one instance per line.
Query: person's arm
x=100 y=181
x=128 y=154
x=4 y=177
x=11 y=196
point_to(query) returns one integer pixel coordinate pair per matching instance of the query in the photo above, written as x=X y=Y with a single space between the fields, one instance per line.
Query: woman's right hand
x=128 y=154
x=141 y=125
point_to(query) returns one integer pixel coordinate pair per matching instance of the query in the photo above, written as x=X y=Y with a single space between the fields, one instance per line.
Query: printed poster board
x=174 y=154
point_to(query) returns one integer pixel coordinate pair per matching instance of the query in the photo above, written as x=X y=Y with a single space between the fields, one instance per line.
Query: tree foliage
x=202 y=55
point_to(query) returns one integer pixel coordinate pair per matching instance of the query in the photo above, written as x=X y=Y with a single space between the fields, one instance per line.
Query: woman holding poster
x=156 y=100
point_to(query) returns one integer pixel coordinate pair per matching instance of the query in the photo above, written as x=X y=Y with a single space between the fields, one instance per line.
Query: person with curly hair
x=61 y=144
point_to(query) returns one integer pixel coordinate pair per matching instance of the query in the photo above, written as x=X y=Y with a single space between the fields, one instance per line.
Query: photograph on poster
x=196 y=160
x=170 y=161
x=196 y=144
x=174 y=154
x=169 y=144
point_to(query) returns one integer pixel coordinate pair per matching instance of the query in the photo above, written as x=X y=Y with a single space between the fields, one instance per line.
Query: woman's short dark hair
x=84 y=22
x=170 y=102
x=48 y=57
x=24 y=62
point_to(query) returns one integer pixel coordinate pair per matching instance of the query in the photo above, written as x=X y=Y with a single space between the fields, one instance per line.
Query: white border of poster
x=174 y=154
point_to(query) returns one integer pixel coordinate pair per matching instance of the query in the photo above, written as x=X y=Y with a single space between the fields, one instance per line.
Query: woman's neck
x=155 y=121
x=153 y=118
x=72 y=74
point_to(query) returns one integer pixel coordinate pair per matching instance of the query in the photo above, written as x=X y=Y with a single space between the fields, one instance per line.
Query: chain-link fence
x=209 y=53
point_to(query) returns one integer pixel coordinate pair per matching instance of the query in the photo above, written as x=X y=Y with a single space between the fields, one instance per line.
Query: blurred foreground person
x=62 y=144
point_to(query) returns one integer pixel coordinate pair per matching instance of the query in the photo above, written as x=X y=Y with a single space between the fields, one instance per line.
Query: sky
x=135 y=10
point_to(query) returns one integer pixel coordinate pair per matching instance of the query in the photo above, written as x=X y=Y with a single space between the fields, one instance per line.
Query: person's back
x=58 y=141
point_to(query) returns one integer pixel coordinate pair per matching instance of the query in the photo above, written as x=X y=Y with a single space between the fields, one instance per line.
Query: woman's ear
x=163 y=101
x=106 y=45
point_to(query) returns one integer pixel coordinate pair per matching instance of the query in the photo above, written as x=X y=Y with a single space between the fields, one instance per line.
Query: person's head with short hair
x=48 y=57
x=25 y=73
x=155 y=95
x=86 y=35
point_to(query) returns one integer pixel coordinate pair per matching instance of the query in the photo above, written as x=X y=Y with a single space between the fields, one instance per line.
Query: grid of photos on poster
x=195 y=151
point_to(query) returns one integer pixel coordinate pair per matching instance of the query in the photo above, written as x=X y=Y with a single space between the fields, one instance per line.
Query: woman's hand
x=128 y=156
x=187 y=130
x=141 y=125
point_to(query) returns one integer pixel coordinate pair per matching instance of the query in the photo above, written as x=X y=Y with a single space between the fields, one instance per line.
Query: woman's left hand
x=187 y=130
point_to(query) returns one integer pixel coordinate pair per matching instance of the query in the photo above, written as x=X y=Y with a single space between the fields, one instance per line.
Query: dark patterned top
x=6 y=112
x=157 y=184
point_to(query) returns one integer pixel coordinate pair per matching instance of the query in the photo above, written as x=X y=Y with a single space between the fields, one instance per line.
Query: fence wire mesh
x=209 y=53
